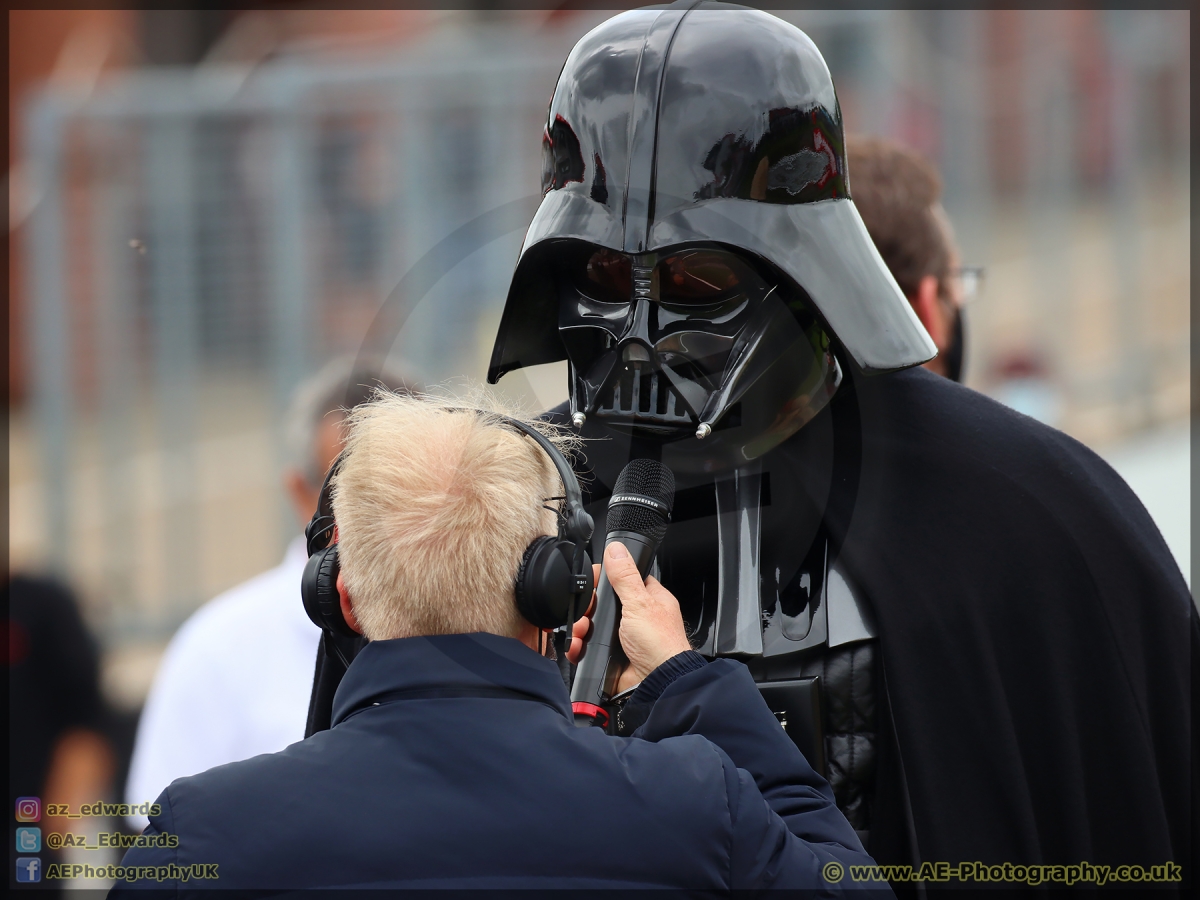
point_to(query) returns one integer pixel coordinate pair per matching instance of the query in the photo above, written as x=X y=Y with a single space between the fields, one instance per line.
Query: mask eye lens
x=700 y=277
x=609 y=277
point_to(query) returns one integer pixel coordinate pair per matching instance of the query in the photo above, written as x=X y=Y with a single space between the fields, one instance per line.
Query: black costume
x=964 y=617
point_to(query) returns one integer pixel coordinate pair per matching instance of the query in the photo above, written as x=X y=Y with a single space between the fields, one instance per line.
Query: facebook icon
x=29 y=869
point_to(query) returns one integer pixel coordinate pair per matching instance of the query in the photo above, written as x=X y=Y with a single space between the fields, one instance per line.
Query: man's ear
x=347 y=606
x=928 y=307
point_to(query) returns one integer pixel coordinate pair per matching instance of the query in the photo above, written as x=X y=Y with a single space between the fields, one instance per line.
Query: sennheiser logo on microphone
x=638 y=500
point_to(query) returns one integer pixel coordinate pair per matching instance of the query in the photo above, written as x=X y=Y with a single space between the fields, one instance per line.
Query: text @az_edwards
x=172 y=872
x=1007 y=873
x=56 y=840
x=111 y=810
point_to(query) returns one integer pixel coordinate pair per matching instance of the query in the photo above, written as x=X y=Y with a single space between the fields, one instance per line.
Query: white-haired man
x=454 y=760
x=235 y=680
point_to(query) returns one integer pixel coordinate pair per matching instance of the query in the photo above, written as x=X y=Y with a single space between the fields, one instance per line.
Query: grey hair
x=341 y=384
x=435 y=509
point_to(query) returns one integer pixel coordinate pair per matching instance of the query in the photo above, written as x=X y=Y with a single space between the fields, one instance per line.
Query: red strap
x=581 y=708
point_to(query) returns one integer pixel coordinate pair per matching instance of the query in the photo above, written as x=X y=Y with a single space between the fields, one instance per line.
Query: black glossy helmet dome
x=703 y=126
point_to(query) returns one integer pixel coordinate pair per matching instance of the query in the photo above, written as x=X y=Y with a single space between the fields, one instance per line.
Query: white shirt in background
x=233 y=683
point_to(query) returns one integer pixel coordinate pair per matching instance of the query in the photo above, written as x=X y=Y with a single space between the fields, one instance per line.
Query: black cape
x=1036 y=633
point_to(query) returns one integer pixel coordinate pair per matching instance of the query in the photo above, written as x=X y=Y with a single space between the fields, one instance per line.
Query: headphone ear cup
x=528 y=575
x=318 y=590
x=545 y=586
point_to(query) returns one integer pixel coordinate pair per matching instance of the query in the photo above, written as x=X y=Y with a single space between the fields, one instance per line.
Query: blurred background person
x=898 y=194
x=59 y=747
x=235 y=680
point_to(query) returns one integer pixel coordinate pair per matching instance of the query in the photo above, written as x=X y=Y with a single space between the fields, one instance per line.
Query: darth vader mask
x=695 y=342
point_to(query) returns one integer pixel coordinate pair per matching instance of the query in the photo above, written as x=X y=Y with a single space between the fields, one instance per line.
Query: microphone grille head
x=644 y=478
x=649 y=478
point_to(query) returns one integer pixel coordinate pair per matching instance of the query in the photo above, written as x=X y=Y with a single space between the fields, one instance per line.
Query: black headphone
x=554 y=581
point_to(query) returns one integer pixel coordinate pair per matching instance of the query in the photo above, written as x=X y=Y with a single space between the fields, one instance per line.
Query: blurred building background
x=206 y=205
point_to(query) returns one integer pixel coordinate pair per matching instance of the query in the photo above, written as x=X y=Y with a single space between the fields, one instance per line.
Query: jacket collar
x=455 y=662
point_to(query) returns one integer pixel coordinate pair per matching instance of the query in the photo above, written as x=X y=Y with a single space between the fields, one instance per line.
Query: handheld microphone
x=638 y=513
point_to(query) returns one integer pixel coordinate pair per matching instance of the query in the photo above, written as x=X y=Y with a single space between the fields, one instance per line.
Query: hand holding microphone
x=639 y=511
x=651 y=628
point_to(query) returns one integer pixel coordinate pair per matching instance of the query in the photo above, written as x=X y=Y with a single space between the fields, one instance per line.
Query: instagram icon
x=29 y=809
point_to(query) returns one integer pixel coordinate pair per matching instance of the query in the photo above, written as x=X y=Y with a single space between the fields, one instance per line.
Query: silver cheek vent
x=645 y=396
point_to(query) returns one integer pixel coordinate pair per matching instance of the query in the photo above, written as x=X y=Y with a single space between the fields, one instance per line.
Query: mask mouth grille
x=645 y=397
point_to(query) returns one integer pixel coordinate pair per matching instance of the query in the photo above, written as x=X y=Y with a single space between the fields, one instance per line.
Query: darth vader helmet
x=697 y=257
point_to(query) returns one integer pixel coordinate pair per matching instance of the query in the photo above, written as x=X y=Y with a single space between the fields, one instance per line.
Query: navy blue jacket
x=453 y=761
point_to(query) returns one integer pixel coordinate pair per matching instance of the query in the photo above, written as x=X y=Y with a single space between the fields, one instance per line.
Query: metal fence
x=202 y=242
x=204 y=238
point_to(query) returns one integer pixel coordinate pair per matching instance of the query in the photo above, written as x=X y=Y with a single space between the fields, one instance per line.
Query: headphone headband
x=319 y=531
x=573 y=504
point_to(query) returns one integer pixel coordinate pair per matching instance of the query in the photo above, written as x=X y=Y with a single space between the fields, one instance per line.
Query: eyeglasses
x=970 y=281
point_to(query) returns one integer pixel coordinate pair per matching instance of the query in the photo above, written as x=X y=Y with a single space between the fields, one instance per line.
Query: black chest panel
x=837 y=730
x=849 y=679
x=750 y=558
